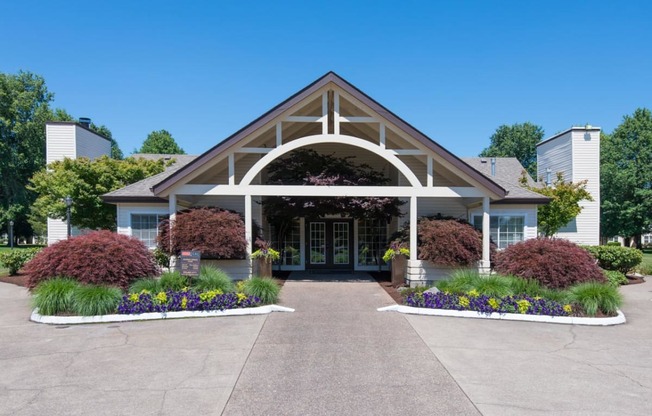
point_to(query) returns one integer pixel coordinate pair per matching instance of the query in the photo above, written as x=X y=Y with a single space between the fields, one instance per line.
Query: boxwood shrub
x=622 y=259
x=555 y=263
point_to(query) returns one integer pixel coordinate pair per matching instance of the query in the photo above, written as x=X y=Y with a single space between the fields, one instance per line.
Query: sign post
x=190 y=263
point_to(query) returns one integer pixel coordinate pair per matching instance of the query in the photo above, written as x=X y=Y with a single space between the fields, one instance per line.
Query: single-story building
x=331 y=116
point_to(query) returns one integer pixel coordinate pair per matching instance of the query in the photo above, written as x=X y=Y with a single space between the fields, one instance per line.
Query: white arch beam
x=388 y=155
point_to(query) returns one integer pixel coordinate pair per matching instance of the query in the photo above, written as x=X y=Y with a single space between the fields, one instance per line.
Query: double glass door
x=329 y=244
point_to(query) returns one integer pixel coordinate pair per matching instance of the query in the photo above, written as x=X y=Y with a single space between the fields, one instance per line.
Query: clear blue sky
x=455 y=70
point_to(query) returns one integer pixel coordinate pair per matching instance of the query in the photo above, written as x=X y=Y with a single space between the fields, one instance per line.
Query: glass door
x=329 y=244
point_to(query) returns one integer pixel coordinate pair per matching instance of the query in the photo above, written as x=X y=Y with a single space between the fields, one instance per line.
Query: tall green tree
x=564 y=205
x=85 y=181
x=161 y=142
x=519 y=141
x=24 y=109
x=626 y=177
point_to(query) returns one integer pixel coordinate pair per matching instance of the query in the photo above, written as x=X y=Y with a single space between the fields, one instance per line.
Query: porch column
x=485 y=264
x=413 y=228
x=248 y=231
x=172 y=212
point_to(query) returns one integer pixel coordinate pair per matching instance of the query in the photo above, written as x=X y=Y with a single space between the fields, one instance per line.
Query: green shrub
x=89 y=300
x=618 y=258
x=212 y=278
x=264 y=288
x=161 y=257
x=172 y=281
x=15 y=259
x=54 y=296
x=148 y=284
x=594 y=297
x=615 y=277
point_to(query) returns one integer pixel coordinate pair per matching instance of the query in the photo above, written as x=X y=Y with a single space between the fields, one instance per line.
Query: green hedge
x=16 y=258
x=622 y=259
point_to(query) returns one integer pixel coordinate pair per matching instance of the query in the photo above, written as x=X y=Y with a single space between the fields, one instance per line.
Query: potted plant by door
x=264 y=257
x=398 y=255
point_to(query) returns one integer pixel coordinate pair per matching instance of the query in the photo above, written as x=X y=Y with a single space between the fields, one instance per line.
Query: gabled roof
x=508 y=174
x=141 y=191
x=206 y=157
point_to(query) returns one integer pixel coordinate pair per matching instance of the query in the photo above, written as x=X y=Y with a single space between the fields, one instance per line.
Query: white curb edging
x=98 y=319
x=569 y=320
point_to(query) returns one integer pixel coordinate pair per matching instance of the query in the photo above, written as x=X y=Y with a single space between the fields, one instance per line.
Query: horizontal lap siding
x=91 y=145
x=444 y=206
x=60 y=142
x=556 y=154
x=528 y=211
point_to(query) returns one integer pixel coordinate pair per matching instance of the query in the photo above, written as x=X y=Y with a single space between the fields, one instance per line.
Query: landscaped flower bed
x=184 y=300
x=473 y=301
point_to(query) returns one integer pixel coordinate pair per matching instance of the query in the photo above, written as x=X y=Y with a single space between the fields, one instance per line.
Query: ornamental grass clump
x=146 y=284
x=212 y=278
x=54 y=296
x=172 y=281
x=100 y=257
x=264 y=288
x=594 y=297
x=88 y=300
x=555 y=263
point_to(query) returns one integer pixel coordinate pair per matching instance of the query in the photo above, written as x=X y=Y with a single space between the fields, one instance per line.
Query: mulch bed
x=19 y=280
x=634 y=280
x=384 y=279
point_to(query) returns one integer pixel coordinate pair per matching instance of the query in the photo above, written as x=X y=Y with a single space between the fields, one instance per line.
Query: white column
x=231 y=169
x=248 y=230
x=486 y=234
x=336 y=113
x=382 y=136
x=430 y=172
x=324 y=113
x=413 y=228
x=172 y=212
x=279 y=134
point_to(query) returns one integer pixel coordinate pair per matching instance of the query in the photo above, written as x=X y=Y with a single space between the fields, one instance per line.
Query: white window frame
x=495 y=232
x=159 y=217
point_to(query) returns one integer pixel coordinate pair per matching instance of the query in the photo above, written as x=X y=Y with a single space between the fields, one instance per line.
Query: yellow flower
x=184 y=302
x=568 y=308
x=239 y=287
x=145 y=292
x=494 y=303
x=473 y=293
x=537 y=298
x=162 y=297
x=523 y=306
x=209 y=295
x=134 y=297
x=464 y=301
x=241 y=297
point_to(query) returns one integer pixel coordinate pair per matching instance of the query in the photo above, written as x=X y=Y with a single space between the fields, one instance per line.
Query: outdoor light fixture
x=11 y=233
x=68 y=201
x=548 y=176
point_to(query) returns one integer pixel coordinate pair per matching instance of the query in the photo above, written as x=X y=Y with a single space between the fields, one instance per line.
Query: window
x=372 y=239
x=145 y=227
x=505 y=229
x=291 y=250
x=647 y=238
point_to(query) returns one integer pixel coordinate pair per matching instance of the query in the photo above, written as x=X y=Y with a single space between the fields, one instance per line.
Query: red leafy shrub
x=450 y=242
x=101 y=257
x=216 y=233
x=555 y=263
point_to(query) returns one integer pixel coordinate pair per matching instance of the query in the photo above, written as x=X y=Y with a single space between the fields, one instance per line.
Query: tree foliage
x=85 y=181
x=564 y=205
x=310 y=168
x=626 y=177
x=24 y=109
x=519 y=141
x=161 y=142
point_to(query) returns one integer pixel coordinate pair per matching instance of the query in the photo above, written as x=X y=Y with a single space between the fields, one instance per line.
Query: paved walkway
x=336 y=355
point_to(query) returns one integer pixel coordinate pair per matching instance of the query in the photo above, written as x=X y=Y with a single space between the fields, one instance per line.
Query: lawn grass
x=646 y=265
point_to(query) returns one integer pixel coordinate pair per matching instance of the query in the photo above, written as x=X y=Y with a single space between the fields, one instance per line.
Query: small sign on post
x=190 y=263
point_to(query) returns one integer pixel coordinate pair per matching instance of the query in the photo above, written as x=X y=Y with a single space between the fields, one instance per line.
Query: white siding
x=59 y=142
x=444 y=206
x=556 y=154
x=90 y=145
x=57 y=230
x=586 y=166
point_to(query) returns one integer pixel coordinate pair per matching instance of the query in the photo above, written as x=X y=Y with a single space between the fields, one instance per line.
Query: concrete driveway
x=335 y=355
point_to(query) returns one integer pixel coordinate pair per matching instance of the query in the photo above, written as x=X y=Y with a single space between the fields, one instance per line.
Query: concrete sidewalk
x=518 y=368
x=336 y=355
